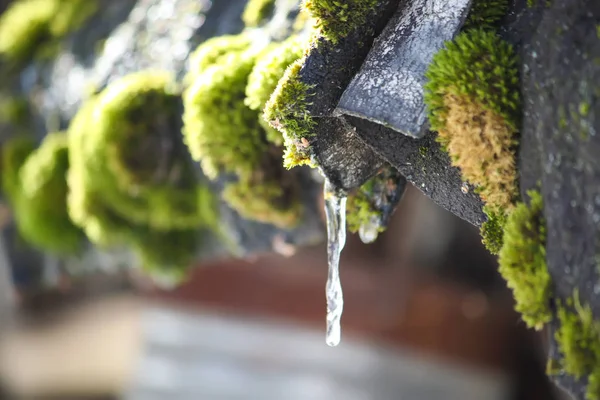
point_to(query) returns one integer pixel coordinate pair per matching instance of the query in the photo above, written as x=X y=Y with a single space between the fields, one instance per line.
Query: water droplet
x=335 y=212
x=369 y=231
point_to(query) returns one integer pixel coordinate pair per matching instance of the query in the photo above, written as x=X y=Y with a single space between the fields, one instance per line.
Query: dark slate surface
x=388 y=89
x=426 y=166
x=561 y=85
x=330 y=68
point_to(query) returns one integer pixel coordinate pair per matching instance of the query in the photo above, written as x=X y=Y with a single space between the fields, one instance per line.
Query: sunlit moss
x=257 y=12
x=37 y=189
x=28 y=26
x=522 y=261
x=337 y=19
x=213 y=50
x=264 y=77
x=287 y=111
x=224 y=132
x=220 y=130
x=131 y=180
x=473 y=100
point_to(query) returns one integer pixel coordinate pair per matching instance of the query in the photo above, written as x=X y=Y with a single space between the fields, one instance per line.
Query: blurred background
x=426 y=317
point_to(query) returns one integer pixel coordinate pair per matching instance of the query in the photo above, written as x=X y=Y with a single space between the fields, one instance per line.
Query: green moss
x=131 y=179
x=522 y=261
x=137 y=158
x=287 y=111
x=265 y=76
x=479 y=65
x=257 y=12
x=29 y=27
x=14 y=154
x=220 y=130
x=337 y=19
x=168 y=254
x=214 y=50
x=226 y=135
x=36 y=187
x=359 y=208
x=473 y=102
x=264 y=201
x=486 y=14
x=578 y=339
x=492 y=229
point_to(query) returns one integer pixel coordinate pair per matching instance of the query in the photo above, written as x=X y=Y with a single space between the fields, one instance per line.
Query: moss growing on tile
x=131 y=181
x=29 y=27
x=337 y=19
x=14 y=154
x=257 y=12
x=264 y=201
x=360 y=210
x=37 y=190
x=492 y=230
x=578 y=339
x=222 y=133
x=265 y=76
x=214 y=50
x=287 y=111
x=486 y=14
x=226 y=135
x=137 y=157
x=473 y=101
x=522 y=261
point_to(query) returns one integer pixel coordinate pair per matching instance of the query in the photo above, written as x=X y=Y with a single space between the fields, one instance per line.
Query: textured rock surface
x=424 y=164
x=388 y=89
x=561 y=148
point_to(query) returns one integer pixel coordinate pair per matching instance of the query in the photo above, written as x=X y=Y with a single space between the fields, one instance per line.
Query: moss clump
x=265 y=76
x=138 y=161
x=38 y=194
x=131 y=179
x=287 y=111
x=220 y=130
x=578 y=339
x=473 y=102
x=257 y=12
x=214 y=50
x=14 y=154
x=360 y=209
x=263 y=201
x=28 y=27
x=492 y=230
x=337 y=19
x=522 y=261
x=486 y=14
x=225 y=134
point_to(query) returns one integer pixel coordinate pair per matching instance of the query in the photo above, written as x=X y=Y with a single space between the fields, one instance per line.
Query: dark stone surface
x=388 y=89
x=561 y=149
x=426 y=166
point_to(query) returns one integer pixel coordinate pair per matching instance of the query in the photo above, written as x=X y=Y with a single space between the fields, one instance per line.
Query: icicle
x=335 y=212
